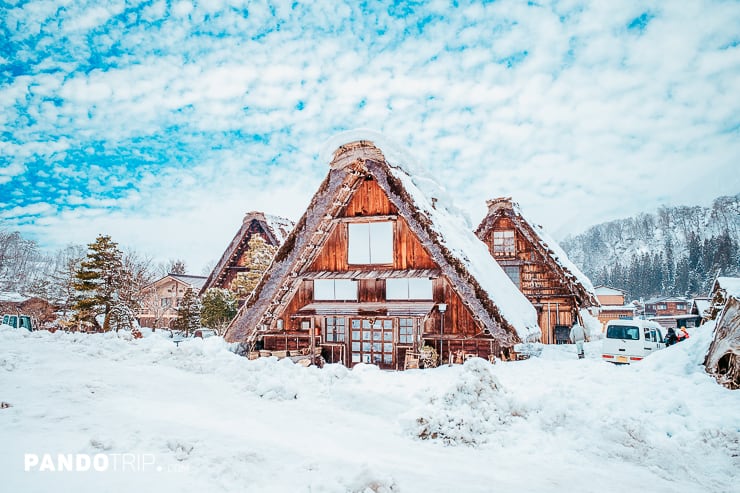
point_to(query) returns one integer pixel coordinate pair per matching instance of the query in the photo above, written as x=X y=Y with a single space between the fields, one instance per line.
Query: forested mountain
x=674 y=251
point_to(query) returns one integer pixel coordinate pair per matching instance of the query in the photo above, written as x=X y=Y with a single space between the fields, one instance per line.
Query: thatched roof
x=275 y=228
x=463 y=259
x=577 y=282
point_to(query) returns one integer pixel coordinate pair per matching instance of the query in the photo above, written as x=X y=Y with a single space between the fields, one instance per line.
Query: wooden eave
x=376 y=309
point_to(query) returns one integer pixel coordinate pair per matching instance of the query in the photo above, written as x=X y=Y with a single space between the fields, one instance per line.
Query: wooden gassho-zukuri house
x=538 y=267
x=235 y=260
x=374 y=269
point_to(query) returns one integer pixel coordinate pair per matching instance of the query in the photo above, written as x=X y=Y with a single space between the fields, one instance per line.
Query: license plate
x=621 y=359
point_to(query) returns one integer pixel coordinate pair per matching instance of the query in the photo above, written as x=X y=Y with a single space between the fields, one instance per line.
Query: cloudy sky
x=162 y=123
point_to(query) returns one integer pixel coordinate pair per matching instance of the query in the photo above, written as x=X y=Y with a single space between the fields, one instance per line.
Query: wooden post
x=313 y=340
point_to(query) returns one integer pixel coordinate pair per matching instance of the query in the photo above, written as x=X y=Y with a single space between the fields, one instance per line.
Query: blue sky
x=162 y=123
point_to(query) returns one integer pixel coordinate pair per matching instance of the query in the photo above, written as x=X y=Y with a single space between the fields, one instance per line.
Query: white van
x=627 y=341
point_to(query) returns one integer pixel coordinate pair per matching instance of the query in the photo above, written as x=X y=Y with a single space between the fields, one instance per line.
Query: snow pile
x=467 y=413
x=591 y=324
x=215 y=421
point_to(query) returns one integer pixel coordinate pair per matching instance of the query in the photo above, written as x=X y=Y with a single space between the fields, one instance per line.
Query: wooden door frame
x=393 y=341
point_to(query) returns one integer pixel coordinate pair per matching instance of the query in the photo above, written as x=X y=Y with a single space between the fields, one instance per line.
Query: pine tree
x=98 y=280
x=122 y=317
x=188 y=313
x=219 y=308
x=257 y=258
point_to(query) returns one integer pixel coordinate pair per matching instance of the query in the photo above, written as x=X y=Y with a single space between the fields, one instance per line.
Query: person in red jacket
x=682 y=334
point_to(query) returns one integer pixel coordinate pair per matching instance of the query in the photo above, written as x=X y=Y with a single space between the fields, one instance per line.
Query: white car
x=628 y=341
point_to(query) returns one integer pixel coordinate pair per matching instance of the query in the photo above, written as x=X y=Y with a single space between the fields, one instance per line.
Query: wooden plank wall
x=539 y=282
x=369 y=200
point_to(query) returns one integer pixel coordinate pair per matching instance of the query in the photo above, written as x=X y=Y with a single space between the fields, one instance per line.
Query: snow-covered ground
x=195 y=417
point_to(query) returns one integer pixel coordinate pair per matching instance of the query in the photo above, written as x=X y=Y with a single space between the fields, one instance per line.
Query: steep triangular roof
x=195 y=282
x=607 y=290
x=276 y=230
x=578 y=283
x=463 y=259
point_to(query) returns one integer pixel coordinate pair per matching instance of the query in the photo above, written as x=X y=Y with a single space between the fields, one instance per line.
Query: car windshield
x=628 y=332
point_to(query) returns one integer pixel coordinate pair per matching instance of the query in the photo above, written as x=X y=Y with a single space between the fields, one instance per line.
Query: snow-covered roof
x=454 y=232
x=666 y=299
x=730 y=285
x=547 y=246
x=276 y=229
x=700 y=305
x=607 y=291
x=443 y=231
x=617 y=308
x=12 y=297
x=195 y=281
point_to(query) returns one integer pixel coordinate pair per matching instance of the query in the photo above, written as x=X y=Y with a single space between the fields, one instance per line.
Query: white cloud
x=592 y=113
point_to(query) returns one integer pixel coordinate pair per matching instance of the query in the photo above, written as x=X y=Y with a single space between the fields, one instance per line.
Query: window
x=626 y=332
x=370 y=243
x=334 y=289
x=165 y=302
x=334 y=327
x=405 y=330
x=513 y=272
x=680 y=306
x=503 y=242
x=408 y=289
x=662 y=306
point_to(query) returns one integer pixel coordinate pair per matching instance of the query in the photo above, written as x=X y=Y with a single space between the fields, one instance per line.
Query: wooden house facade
x=537 y=265
x=666 y=306
x=613 y=305
x=235 y=260
x=367 y=276
x=161 y=299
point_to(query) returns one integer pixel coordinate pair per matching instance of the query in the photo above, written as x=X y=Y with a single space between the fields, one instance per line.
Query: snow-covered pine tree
x=98 y=279
x=188 y=313
x=257 y=258
x=218 y=309
x=122 y=317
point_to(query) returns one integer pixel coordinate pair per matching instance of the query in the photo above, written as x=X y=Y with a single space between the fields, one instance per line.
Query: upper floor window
x=334 y=289
x=513 y=272
x=408 y=289
x=680 y=306
x=371 y=243
x=503 y=242
x=662 y=306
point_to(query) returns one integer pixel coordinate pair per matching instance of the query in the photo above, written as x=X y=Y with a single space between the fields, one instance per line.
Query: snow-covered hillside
x=213 y=421
x=694 y=239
